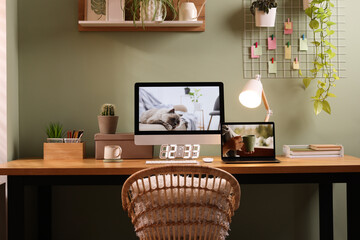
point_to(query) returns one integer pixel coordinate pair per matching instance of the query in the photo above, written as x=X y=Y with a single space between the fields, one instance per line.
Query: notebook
x=248 y=142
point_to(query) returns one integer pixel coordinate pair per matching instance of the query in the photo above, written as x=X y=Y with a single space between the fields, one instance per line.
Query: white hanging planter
x=263 y=19
x=152 y=11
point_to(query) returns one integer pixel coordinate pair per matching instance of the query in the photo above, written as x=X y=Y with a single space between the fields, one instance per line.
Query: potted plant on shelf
x=55 y=133
x=194 y=96
x=151 y=10
x=264 y=12
x=107 y=120
x=323 y=71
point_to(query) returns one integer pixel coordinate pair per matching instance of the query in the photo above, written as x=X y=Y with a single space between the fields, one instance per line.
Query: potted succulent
x=107 y=120
x=54 y=133
x=264 y=12
x=151 y=10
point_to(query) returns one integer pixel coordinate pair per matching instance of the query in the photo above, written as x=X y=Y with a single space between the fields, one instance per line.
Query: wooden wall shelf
x=147 y=26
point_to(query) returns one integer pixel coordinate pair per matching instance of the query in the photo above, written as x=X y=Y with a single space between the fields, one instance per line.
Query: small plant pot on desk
x=63 y=151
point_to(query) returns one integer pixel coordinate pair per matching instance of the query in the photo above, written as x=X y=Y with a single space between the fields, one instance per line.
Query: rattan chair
x=181 y=202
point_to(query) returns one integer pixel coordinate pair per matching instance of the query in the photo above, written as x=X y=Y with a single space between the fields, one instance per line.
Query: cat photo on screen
x=178 y=108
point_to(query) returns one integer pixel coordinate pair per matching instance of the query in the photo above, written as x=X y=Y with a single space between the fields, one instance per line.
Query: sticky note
x=252 y=53
x=287 y=52
x=272 y=67
x=288 y=28
x=271 y=43
x=296 y=65
x=303 y=44
x=258 y=50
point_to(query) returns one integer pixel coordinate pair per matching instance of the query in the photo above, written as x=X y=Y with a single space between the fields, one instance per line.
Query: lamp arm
x=266 y=104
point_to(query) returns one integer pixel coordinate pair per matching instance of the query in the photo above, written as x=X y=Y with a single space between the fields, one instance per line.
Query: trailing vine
x=324 y=72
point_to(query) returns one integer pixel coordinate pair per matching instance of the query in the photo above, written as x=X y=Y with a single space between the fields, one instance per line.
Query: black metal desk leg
x=353 y=209
x=16 y=214
x=326 y=211
x=44 y=206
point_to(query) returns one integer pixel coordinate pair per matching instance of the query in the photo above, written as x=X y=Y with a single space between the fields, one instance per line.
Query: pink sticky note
x=271 y=43
x=252 y=52
x=287 y=29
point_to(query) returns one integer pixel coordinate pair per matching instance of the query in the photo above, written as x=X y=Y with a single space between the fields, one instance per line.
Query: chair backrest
x=181 y=202
x=217 y=104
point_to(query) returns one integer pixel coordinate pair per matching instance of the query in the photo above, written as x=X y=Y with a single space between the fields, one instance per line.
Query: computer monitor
x=178 y=113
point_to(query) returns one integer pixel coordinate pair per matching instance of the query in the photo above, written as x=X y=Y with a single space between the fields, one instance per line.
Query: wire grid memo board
x=292 y=9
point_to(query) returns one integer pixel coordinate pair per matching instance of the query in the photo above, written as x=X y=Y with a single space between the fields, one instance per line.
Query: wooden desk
x=45 y=174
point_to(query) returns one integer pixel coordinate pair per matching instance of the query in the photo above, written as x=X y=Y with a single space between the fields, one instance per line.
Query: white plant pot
x=152 y=11
x=263 y=19
x=197 y=106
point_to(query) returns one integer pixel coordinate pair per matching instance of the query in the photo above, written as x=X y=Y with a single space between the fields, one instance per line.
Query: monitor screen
x=243 y=141
x=185 y=109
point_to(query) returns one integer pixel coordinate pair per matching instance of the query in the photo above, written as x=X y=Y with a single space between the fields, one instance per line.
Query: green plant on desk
x=55 y=130
x=320 y=12
x=108 y=109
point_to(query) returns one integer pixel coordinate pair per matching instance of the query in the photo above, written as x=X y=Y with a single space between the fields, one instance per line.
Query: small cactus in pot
x=107 y=119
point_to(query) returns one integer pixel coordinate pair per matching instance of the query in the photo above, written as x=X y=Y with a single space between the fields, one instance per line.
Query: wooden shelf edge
x=139 y=24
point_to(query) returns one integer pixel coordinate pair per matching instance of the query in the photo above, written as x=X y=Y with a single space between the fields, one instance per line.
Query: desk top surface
x=130 y=166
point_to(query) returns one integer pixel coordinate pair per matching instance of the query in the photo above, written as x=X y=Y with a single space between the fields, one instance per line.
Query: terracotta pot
x=108 y=124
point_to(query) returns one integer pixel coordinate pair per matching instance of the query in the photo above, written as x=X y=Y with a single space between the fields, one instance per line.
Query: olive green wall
x=12 y=80
x=65 y=75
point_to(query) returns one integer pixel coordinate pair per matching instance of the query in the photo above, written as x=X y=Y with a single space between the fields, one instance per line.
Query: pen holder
x=63 y=151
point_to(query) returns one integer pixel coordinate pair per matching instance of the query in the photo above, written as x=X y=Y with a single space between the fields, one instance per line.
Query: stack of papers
x=313 y=150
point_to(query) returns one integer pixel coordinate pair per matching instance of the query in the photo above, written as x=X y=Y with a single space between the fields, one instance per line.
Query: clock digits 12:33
x=172 y=151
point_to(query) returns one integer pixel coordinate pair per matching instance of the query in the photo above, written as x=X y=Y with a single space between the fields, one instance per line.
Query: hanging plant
x=99 y=7
x=323 y=71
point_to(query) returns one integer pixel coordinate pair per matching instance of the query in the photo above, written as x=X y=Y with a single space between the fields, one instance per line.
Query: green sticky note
x=272 y=67
x=303 y=44
x=258 y=50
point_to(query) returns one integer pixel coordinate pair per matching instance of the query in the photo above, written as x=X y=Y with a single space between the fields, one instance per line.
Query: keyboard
x=172 y=162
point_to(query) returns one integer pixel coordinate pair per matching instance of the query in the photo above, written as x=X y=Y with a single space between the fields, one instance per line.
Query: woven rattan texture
x=181 y=202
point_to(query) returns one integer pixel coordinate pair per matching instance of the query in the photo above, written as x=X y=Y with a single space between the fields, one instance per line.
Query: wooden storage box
x=126 y=142
x=62 y=151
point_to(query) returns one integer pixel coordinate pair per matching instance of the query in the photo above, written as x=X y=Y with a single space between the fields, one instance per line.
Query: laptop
x=248 y=142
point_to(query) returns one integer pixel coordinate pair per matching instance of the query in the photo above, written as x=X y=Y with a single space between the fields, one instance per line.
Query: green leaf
x=334 y=70
x=307 y=81
x=330 y=53
x=330 y=95
x=330 y=23
x=329 y=44
x=329 y=32
x=316 y=43
x=317 y=107
x=309 y=12
x=326 y=106
x=300 y=73
x=321 y=10
x=319 y=30
x=319 y=92
x=331 y=4
x=314 y=24
x=336 y=77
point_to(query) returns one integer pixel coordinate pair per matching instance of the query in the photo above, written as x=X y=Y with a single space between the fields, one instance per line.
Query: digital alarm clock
x=186 y=151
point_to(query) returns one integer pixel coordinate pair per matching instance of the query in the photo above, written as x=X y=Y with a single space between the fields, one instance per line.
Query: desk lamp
x=251 y=96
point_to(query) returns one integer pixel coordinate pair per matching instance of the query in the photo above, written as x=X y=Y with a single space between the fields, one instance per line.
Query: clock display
x=172 y=151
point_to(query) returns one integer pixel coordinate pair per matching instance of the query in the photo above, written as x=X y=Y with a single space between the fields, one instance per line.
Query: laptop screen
x=248 y=141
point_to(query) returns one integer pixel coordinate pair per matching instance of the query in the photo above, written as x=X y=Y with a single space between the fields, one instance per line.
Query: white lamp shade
x=251 y=95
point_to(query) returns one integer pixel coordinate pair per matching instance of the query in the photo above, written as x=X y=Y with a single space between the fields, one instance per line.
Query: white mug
x=187 y=12
x=112 y=152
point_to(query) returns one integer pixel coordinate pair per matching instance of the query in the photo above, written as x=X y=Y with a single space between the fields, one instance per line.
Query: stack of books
x=313 y=150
